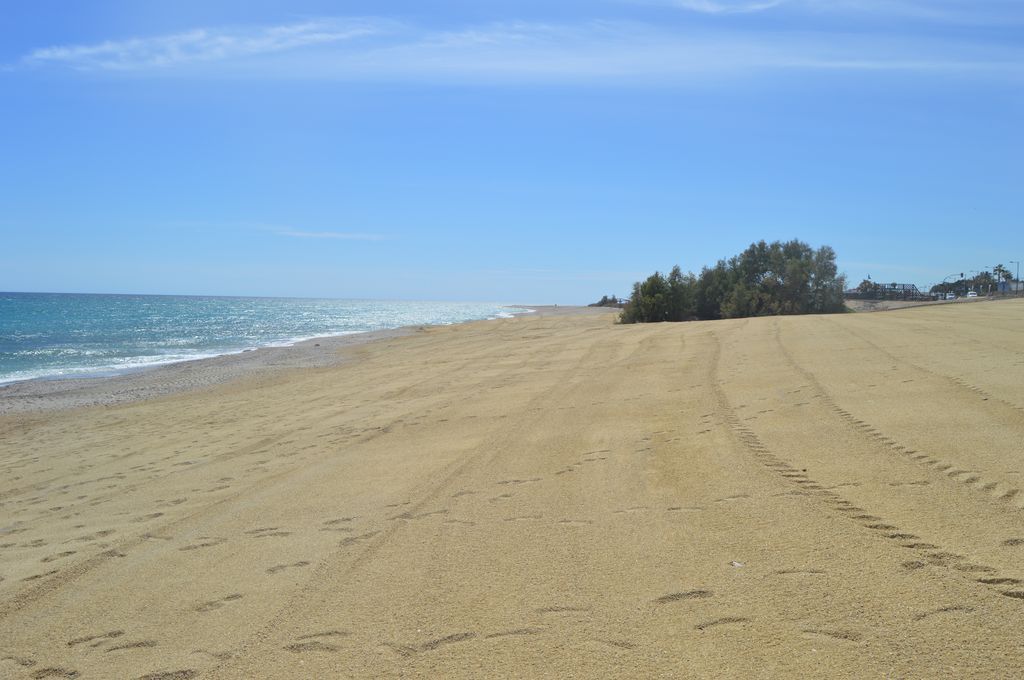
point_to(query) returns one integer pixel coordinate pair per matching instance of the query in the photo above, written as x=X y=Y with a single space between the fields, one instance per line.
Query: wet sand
x=543 y=496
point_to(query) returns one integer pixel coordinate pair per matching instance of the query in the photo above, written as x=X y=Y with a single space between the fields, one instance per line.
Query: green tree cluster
x=981 y=282
x=765 y=279
x=1001 y=273
x=870 y=289
x=607 y=301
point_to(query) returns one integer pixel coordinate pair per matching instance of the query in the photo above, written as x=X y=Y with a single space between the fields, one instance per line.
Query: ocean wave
x=118 y=367
x=53 y=336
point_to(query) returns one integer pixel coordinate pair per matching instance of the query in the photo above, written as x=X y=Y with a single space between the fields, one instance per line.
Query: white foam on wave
x=131 y=364
x=122 y=366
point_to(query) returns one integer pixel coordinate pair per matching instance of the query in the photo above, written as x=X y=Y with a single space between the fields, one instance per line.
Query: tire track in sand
x=959 y=382
x=928 y=554
x=993 y=488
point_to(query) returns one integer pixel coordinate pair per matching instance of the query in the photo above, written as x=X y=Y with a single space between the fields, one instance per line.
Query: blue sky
x=494 y=150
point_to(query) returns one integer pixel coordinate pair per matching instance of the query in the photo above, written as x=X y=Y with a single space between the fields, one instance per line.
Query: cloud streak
x=590 y=51
x=203 y=45
x=967 y=13
x=333 y=235
x=725 y=6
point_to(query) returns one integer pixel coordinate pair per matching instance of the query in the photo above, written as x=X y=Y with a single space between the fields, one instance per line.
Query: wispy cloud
x=725 y=6
x=203 y=45
x=964 y=12
x=588 y=51
x=336 y=235
x=603 y=51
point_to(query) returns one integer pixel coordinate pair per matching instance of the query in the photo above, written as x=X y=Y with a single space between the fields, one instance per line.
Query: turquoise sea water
x=56 y=335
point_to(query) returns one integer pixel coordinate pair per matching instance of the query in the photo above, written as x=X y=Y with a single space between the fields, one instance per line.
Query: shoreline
x=48 y=395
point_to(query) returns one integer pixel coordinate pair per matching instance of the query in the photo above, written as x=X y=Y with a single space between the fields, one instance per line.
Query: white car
x=972 y=293
x=950 y=296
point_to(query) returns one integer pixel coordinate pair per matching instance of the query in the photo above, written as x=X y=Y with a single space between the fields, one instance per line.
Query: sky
x=490 y=150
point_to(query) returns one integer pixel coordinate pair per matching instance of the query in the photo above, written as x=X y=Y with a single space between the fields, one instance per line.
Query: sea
x=58 y=335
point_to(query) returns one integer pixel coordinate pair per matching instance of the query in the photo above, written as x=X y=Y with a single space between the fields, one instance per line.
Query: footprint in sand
x=36 y=577
x=315 y=642
x=54 y=672
x=140 y=644
x=522 y=518
x=800 y=572
x=726 y=620
x=356 y=539
x=844 y=635
x=184 y=674
x=422 y=515
x=204 y=542
x=519 y=481
x=956 y=608
x=429 y=646
x=267 y=532
x=339 y=520
x=516 y=632
x=92 y=638
x=211 y=605
x=281 y=567
x=22 y=661
x=619 y=644
x=684 y=595
x=561 y=609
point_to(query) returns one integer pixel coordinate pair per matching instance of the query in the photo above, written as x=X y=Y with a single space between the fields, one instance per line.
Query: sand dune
x=556 y=496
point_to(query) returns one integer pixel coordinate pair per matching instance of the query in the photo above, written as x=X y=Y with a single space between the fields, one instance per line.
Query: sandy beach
x=551 y=495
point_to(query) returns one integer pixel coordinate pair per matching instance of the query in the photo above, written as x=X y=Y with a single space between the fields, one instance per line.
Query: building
x=887 y=291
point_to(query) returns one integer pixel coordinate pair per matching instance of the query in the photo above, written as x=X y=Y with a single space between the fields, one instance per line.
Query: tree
x=741 y=301
x=827 y=283
x=869 y=288
x=650 y=301
x=682 y=304
x=766 y=278
x=712 y=287
x=606 y=301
